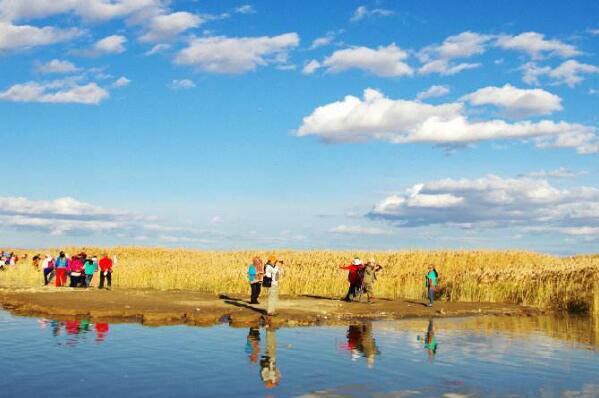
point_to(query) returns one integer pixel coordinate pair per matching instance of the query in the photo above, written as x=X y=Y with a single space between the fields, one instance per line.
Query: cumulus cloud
x=433 y=92
x=323 y=41
x=376 y=117
x=234 y=55
x=364 y=12
x=516 y=102
x=358 y=230
x=17 y=37
x=183 y=84
x=383 y=61
x=438 y=58
x=536 y=46
x=168 y=26
x=311 y=67
x=569 y=72
x=96 y=10
x=57 y=66
x=58 y=91
x=121 y=82
x=114 y=44
x=491 y=202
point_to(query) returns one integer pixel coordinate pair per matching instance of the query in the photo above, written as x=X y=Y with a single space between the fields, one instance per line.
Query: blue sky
x=338 y=124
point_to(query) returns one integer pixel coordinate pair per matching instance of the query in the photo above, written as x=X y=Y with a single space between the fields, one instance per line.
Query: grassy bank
x=494 y=276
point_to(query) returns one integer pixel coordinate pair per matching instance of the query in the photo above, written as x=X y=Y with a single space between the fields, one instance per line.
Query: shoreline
x=158 y=308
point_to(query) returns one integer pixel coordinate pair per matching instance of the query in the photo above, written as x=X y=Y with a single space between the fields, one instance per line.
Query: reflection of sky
x=189 y=361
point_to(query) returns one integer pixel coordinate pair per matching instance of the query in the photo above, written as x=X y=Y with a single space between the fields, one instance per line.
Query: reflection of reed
x=578 y=329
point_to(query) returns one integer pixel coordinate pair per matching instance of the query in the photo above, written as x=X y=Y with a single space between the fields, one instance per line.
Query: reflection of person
x=101 y=331
x=252 y=346
x=269 y=373
x=430 y=341
x=361 y=342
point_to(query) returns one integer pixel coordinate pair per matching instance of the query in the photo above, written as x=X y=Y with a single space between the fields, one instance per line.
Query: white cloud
x=376 y=117
x=561 y=172
x=358 y=230
x=433 y=92
x=363 y=12
x=158 y=48
x=234 y=55
x=114 y=44
x=311 y=67
x=535 y=45
x=168 y=26
x=569 y=72
x=323 y=41
x=491 y=202
x=88 y=9
x=17 y=37
x=446 y=68
x=382 y=61
x=182 y=84
x=594 y=31
x=438 y=58
x=59 y=91
x=57 y=66
x=516 y=102
x=245 y=9
x=121 y=82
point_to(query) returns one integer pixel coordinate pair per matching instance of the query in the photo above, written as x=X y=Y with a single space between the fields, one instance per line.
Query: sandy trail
x=155 y=307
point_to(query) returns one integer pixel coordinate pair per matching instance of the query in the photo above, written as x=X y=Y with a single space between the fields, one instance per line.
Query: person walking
x=47 y=268
x=272 y=276
x=370 y=270
x=255 y=272
x=105 y=272
x=60 y=265
x=354 y=277
x=431 y=283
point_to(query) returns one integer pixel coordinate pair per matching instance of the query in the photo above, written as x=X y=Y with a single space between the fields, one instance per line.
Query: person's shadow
x=240 y=303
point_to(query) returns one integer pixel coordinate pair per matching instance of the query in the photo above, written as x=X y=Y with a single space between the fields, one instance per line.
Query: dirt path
x=154 y=307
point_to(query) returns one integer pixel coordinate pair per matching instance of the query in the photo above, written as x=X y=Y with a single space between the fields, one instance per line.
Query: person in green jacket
x=431 y=283
x=89 y=269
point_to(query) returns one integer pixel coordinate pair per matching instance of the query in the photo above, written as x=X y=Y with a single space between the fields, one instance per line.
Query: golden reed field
x=570 y=283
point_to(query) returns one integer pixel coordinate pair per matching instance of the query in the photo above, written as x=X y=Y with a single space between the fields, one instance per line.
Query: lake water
x=473 y=357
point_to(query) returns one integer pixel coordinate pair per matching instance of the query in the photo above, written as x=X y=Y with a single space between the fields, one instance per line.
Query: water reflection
x=269 y=372
x=74 y=330
x=252 y=346
x=430 y=340
x=361 y=343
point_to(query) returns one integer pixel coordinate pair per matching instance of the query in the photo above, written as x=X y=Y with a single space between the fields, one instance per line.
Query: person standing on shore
x=431 y=283
x=255 y=273
x=60 y=265
x=370 y=270
x=89 y=268
x=47 y=269
x=105 y=272
x=272 y=275
x=354 y=277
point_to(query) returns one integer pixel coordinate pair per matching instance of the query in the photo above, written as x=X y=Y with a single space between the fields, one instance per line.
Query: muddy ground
x=154 y=307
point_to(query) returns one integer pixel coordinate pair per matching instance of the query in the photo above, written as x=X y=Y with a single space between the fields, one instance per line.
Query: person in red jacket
x=354 y=277
x=105 y=272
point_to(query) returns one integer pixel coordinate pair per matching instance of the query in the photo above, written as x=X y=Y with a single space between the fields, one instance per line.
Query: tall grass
x=483 y=275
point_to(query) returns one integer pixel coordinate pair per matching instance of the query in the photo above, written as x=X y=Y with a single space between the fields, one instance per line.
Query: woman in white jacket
x=272 y=274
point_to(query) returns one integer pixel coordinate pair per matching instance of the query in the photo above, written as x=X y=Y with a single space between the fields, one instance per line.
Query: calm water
x=474 y=357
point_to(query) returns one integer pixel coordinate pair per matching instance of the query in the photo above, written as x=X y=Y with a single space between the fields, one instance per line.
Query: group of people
x=80 y=269
x=265 y=275
x=362 y=278
x=8 y=259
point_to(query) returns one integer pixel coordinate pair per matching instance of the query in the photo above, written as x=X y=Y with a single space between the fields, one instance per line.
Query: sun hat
x=357 y=261
x=272 y=259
